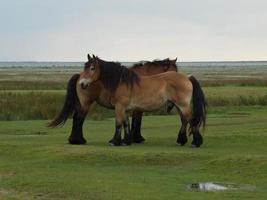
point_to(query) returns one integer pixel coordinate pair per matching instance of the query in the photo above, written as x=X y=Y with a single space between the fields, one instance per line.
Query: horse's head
x=172 y=65
x=161 y=66
x=90 y=73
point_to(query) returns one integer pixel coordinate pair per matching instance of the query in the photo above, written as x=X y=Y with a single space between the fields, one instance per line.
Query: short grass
x=37 y=163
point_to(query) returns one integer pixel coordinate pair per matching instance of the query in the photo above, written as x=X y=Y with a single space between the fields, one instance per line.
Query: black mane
x=113 y=73
x=165 y=62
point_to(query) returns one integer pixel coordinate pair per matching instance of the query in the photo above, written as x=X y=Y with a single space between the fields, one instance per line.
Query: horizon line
x=57 y=61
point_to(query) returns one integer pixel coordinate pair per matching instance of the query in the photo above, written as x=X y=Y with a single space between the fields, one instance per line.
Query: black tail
x=71 y=100
x=199 y=104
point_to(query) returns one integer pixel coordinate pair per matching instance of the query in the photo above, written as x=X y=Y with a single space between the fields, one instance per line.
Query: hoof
x=182 y=140
x=77 y=140
x=139 y=140
x=195 y=146
x=126 y=142
x=113 y=142
x=197 y=143
x=181 y=144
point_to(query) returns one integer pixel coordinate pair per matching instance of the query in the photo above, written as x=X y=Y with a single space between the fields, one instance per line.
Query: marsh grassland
x=37 y=163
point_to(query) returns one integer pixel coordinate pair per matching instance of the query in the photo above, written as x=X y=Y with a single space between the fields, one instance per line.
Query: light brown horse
x=130 y=91
x=78 y=100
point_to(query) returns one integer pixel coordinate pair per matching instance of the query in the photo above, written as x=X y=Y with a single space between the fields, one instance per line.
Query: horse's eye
x=92 y=68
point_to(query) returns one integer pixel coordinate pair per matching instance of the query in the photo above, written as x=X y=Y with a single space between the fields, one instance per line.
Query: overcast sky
x=124 y=30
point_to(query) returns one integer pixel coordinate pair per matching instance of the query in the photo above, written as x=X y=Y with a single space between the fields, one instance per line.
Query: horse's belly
x=104 y=100
x=148 y=103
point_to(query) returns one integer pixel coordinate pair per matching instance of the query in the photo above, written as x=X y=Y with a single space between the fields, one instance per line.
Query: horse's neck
x=149 y=70
x=140 y=70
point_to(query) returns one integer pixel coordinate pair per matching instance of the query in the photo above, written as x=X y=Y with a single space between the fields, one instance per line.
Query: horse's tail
x=199 y=104
x=71 y=100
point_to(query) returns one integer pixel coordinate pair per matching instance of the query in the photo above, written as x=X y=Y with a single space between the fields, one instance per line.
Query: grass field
x=43 y=104
x=37 y=162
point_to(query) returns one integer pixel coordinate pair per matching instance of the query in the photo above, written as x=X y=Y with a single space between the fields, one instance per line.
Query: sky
x=133 y=30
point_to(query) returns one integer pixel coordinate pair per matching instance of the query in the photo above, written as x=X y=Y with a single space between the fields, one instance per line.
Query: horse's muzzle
x=84 y=83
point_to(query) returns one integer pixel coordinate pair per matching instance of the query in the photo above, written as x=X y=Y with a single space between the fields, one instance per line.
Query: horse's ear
x=96 y=60
x=174 y=61
x=95 y=57
x=89 y=57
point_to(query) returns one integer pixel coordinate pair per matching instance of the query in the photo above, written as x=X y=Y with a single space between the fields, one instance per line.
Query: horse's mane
x=113 y=73
x=157 y=63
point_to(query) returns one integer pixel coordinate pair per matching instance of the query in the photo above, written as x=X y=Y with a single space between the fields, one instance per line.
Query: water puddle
x=215 y=186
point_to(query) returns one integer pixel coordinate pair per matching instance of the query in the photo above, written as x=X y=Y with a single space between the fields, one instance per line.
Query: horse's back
x=180 y=79
x=178 y=85
x=173 y=77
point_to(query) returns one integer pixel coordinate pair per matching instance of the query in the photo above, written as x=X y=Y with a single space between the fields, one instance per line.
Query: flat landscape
x=36 y=162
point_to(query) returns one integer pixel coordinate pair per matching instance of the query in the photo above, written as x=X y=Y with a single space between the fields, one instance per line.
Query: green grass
x=236 y=95
x=44 y=104
x=61 y=84
x=37 y=163
x=32 y=85
x=49 y=78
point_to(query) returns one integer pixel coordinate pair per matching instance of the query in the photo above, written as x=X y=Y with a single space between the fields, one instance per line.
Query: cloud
x=134 y=30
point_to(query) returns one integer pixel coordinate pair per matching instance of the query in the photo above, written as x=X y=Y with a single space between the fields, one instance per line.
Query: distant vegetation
x=32 y=85
x=44 y=104
x=38 y=93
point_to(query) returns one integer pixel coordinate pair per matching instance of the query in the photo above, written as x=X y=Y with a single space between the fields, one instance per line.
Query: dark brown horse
x=130 y=91
x=78 y=100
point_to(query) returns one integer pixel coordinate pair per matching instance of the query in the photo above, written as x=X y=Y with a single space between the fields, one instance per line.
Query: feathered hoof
x=114 y=142
x=77 y=141
x=182 y=140
x=126 y=142
x=139 y=140
x=196 y=143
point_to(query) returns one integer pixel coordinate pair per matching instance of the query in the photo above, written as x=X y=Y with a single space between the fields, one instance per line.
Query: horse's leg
x=116 y=140
x=76 y=136
x=186 y=114
x=194 y=129
x=86 y=98
x=136 y=127
x=120 y=119
x=182 y=138
x=197 y=137
x=127 y=133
